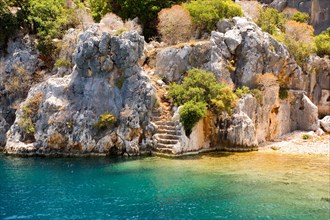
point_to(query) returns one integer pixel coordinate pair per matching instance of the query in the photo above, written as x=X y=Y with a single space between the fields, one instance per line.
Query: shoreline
x=291 y=143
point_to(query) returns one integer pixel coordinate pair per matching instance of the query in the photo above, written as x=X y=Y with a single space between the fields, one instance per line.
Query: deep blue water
x=212 y=186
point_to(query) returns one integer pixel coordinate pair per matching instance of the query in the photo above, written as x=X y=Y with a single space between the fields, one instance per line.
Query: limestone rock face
x=19 y=61
x=279 y=5
x=325 y=123
x=319 y=87
x=239 y=54
x=106 y=79
x=235 y=54
x=307 y=115
x=21 y=52
x=239 y=133
x=3 y=129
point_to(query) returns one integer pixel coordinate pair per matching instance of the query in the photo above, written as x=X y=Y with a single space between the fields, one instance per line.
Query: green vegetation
x=306 y=136
x=51 y=18
x=29 y=112
x=270 y=20
x=300 y=17
x=244 y=90
x=283 y=93
x=27 y=126
x=295 y=34
x=191 y=113
x=120 y=82
x=62 y=63
x=99 y=8
x=200 y=91
x=322 y=42
x=206 y=13
x=105 y=121
x=13 y=14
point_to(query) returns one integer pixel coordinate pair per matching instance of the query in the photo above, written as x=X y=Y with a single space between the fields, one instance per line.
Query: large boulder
x=318 y=70
x=325 y=123
x=107 y=79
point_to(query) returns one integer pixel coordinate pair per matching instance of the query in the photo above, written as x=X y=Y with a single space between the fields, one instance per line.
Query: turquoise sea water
x=213 y=186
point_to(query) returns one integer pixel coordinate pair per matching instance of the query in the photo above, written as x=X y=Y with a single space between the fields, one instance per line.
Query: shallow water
x=212 y=186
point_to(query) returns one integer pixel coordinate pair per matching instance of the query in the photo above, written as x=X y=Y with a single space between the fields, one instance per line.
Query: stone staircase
x=168 y=134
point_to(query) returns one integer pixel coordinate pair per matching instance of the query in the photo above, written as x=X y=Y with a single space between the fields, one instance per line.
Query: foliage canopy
x=200 y=91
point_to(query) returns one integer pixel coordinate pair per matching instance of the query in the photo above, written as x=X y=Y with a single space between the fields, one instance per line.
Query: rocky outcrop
x=325 y=123
x=318 y=70
x=17 y=67
x=106 y=79
x=21 y=51
x=241 y=54
x=3 y=129
x=235 y=57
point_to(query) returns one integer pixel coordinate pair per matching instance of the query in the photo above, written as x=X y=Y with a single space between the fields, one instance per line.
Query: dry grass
x=175 y=25
x=113 y=24
x=266 y=80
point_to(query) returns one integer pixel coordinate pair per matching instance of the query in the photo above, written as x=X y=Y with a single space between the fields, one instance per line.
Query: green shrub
x=105 y=121
x=62 y=63
x=244 y=90
x=51 y=18
x=29 y=112
x=306 y=136
x=201 y=88
x=198 y=85
x=120 y=82
x=269 y=20
x=258 y=95
x=283 y=93
x=99 y=8
x=191 y=112
x=120 y=31
x=322 y=42
x=206 y=13
x=27 y=126
x=300 y=17
x=225 y=100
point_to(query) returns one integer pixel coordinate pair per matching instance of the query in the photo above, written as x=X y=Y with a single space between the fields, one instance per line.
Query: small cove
x=252 y=185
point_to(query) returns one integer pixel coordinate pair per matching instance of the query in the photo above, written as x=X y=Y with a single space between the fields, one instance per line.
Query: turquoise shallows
x=212 y=186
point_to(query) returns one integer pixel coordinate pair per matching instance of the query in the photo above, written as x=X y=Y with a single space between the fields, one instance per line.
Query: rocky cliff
x=106 y=79
x=61 y=115
x=240 y=54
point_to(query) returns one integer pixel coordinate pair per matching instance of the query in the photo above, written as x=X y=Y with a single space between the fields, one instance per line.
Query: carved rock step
x=166 y=131
x=167 y=141
x=168 y=136
x=165 y=150
x=169 y=123
x=167 y=127
x=160 y=145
